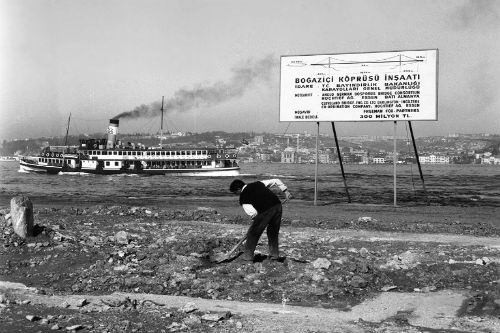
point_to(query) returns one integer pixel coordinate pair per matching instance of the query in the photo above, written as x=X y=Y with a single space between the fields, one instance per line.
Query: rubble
x=103 y=250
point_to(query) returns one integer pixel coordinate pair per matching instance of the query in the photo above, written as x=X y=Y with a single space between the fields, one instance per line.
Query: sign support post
x=316 y=169
x=340 y=162
x=395 y=161
x=418 y=163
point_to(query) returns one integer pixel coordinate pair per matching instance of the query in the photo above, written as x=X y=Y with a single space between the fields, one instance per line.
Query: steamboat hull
x=220 y=172
x=29 y=167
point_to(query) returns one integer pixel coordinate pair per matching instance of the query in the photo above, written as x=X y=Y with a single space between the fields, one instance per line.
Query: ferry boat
x=110 y=156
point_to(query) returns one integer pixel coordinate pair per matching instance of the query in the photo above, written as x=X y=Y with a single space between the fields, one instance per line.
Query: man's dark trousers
x=271 y=219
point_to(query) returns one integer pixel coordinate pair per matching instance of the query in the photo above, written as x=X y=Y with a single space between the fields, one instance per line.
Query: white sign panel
x=380 y=86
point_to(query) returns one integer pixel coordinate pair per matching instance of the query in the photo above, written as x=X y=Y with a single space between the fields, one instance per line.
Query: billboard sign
x=378 y=86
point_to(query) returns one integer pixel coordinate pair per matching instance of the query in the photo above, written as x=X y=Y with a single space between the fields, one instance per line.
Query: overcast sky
x=217 y=62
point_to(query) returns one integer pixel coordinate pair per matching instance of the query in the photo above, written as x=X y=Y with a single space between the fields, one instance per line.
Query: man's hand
x=288 y=196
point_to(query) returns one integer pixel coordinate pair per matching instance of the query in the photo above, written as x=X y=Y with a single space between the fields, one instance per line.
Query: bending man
x=265 y=209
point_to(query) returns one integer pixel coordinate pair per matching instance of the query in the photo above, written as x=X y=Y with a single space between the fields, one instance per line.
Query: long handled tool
x=221 y=257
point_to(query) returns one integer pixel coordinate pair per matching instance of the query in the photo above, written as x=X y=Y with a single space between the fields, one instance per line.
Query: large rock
x=21 y=212
x=122 y=237
x=321 y=263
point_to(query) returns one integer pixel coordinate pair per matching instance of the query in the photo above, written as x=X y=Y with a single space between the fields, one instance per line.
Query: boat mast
x=67 y=130
x=161 y=126
x=66 y=141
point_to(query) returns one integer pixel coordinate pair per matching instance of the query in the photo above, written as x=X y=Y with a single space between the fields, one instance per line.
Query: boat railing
x=28 y=160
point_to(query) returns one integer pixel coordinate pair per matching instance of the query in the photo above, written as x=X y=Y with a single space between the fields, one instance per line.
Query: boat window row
x=52 y=161
x=176 y=165
x=169 y=165
x=149 y=153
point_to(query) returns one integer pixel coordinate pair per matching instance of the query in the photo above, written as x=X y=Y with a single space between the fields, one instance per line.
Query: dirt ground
x=344 y=268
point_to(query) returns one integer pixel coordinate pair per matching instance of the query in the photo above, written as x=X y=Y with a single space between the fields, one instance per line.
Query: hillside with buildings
x=301 y=147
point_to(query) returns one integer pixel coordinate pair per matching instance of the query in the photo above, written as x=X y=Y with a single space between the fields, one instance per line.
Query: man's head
x=236 y=186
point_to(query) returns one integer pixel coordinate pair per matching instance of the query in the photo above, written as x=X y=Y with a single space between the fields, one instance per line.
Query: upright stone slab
x=21 y=212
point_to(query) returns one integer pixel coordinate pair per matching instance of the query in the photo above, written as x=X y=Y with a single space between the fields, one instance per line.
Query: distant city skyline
x=217 y=63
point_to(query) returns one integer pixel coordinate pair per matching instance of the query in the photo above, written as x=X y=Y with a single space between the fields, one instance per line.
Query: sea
x=451 y=184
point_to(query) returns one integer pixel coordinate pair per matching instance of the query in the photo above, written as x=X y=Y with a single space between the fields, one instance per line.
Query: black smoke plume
x=243 y=78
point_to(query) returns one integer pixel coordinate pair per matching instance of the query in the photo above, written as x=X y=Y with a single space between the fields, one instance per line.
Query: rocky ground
x=358 y=268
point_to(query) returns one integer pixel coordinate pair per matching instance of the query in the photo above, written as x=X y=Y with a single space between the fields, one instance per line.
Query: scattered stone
x=32 y=318
x=189 y=307
x=388 y=288
x=482 y=261
x=363 y=252
x=321 y=263
x=405 y=260
x=366 y=219
x=358 y=282
x=429 y=289
x=21 y=210
x=81 y=302
x=8 y=220
x=207 y=209
x=3 y=299
x=120 y=268
x=251 y=277
x=122 y=237
x=55 y=327
x=192 y=320
x=74 y=327
x=317 y=277
x=175 y=326
x=239 y=325
x=215 y=317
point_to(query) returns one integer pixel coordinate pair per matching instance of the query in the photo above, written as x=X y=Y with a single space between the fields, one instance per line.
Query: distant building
x=488 y=158
x=434 y=159
x=265 y=157
x=324 y=158
x=379 y=160
x=495 y=160
x=288 y=156
x=258 y=139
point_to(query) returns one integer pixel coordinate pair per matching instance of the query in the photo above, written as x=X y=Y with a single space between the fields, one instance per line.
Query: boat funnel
x=112 y=132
